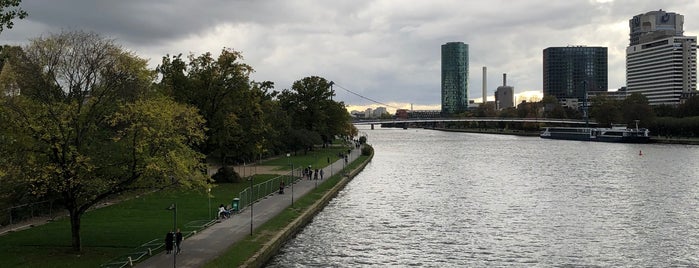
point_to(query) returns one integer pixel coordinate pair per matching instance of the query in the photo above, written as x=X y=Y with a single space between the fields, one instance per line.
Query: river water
x=444 y=199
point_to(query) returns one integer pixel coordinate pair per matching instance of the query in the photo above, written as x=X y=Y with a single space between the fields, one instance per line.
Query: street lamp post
x=251 y=203
x=291 y=181
x=173 y=207
x=208 y=191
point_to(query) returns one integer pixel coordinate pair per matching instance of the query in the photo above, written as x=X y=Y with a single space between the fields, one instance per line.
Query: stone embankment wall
x=271 y=248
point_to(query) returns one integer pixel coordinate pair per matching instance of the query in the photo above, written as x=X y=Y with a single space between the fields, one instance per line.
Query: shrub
x=367 y=150
x=226 y=174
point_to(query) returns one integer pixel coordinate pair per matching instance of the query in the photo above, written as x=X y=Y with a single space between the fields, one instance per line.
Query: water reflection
x=440 y=199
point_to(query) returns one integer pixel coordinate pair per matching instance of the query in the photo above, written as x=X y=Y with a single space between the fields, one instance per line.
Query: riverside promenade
x=211 y=242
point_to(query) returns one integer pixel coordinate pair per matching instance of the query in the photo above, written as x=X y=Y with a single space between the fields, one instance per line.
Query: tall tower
x=485 y=84
x=454 y=78
x=570 y=72
x=661 y=63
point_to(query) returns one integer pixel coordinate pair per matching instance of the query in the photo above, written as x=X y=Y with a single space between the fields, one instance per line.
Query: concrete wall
x=271 y=248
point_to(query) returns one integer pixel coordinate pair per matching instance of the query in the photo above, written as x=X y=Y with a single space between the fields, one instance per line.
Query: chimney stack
x=504 y=80
x=485 y=86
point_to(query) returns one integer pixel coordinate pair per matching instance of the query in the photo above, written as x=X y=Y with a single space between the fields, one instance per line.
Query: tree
x=311 y=106
x=224 y=94
x=636 y=107
x=86 y=126
x=605 y=110
x=689 y=107
x=10 y=10
x=486 y=110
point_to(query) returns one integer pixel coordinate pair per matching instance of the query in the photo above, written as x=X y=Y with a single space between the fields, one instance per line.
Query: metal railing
x=24 y=212
x=154 y=246
x=263 y=190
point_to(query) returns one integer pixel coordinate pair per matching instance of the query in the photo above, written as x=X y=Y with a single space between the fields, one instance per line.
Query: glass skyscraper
x=454 y=78
x=570 y=72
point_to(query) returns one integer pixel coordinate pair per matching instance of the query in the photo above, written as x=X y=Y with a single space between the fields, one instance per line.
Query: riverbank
x=653 y=139
x=271 y=247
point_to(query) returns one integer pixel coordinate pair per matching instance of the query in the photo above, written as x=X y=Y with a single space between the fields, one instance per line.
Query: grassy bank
x=117 y=229
x=241 y=251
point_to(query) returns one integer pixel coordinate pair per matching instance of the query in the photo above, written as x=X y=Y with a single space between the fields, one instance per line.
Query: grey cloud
x=388 y=50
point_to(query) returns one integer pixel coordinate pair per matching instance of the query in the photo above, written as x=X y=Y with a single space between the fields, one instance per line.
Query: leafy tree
x=230 y=102
x=636 y=107
x=664 y=110
x=689 y=107
x=311 y=107
x=10 y=10
x=605 y=110
x=510 y=112
x=86 y=126
x=486 y=110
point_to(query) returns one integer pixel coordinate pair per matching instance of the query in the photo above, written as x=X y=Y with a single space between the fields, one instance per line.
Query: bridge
x=569 y=122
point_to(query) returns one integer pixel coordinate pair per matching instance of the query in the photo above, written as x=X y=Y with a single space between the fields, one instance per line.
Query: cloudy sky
x=387 y=50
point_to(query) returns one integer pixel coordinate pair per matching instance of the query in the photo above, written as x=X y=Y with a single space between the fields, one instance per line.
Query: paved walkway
x=213 y=241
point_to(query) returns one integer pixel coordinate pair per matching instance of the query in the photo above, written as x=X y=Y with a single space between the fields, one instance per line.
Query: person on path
x=281 y=187
x=178 y=240
x=321 y=174
x=315 y=175
x=169 y=239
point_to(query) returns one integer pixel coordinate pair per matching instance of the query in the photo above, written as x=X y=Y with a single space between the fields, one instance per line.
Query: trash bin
x=235 y=205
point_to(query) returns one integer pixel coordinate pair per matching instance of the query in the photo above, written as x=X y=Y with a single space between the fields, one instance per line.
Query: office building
x=661 y=63
x=454 y=78
x=570 y=72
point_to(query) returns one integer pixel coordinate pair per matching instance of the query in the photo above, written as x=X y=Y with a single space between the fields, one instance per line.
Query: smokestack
x=504 y=80
x=485 y=86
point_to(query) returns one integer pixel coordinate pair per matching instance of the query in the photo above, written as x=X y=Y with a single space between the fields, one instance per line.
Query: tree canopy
x=85 y=125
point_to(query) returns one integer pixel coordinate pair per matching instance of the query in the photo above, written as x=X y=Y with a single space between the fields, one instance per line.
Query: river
x=446 y=199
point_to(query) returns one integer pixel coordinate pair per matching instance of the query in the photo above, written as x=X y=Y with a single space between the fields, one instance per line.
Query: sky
x=385 y=50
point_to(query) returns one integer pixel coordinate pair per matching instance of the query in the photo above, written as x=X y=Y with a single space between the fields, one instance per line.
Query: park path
x=208 y=244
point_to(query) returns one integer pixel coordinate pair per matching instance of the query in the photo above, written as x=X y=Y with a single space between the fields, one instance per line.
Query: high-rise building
x=454 y=77
x=661 y=63
x=570 y=72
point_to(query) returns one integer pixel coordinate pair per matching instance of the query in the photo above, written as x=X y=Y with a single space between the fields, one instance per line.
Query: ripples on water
x=441 y=199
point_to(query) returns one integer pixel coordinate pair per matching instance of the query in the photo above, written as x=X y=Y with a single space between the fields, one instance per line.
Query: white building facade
x=661 y=63
x=665 y=70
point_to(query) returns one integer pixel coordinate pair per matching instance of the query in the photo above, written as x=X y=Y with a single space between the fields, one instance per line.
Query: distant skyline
x=386 y=50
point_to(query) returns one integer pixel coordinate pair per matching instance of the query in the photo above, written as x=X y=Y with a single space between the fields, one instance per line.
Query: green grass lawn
x=317 y=158
x=118 y=229
x=113 y=230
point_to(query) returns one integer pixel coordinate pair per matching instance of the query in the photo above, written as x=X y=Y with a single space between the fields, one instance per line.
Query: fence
x=24 y=212
x=262 y=190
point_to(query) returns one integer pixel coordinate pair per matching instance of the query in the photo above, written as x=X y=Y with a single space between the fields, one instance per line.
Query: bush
x=362 y=139
x=226 y=174
x=367 y=150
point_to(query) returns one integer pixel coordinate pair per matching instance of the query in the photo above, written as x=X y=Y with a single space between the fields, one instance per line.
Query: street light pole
x=251 y=203
x=291 y=181
x=173 y=207
x=208 y=191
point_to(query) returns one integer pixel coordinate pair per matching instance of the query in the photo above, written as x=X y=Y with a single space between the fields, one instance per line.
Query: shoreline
x=653 y=139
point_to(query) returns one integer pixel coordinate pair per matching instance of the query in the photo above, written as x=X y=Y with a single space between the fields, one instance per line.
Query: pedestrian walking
x=321 y=174
x=315 y=175
x=169 y=241
x=178 y=241
x=281 y=187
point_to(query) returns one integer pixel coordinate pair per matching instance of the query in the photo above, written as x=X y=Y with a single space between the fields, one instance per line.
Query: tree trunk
x=75 y=229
